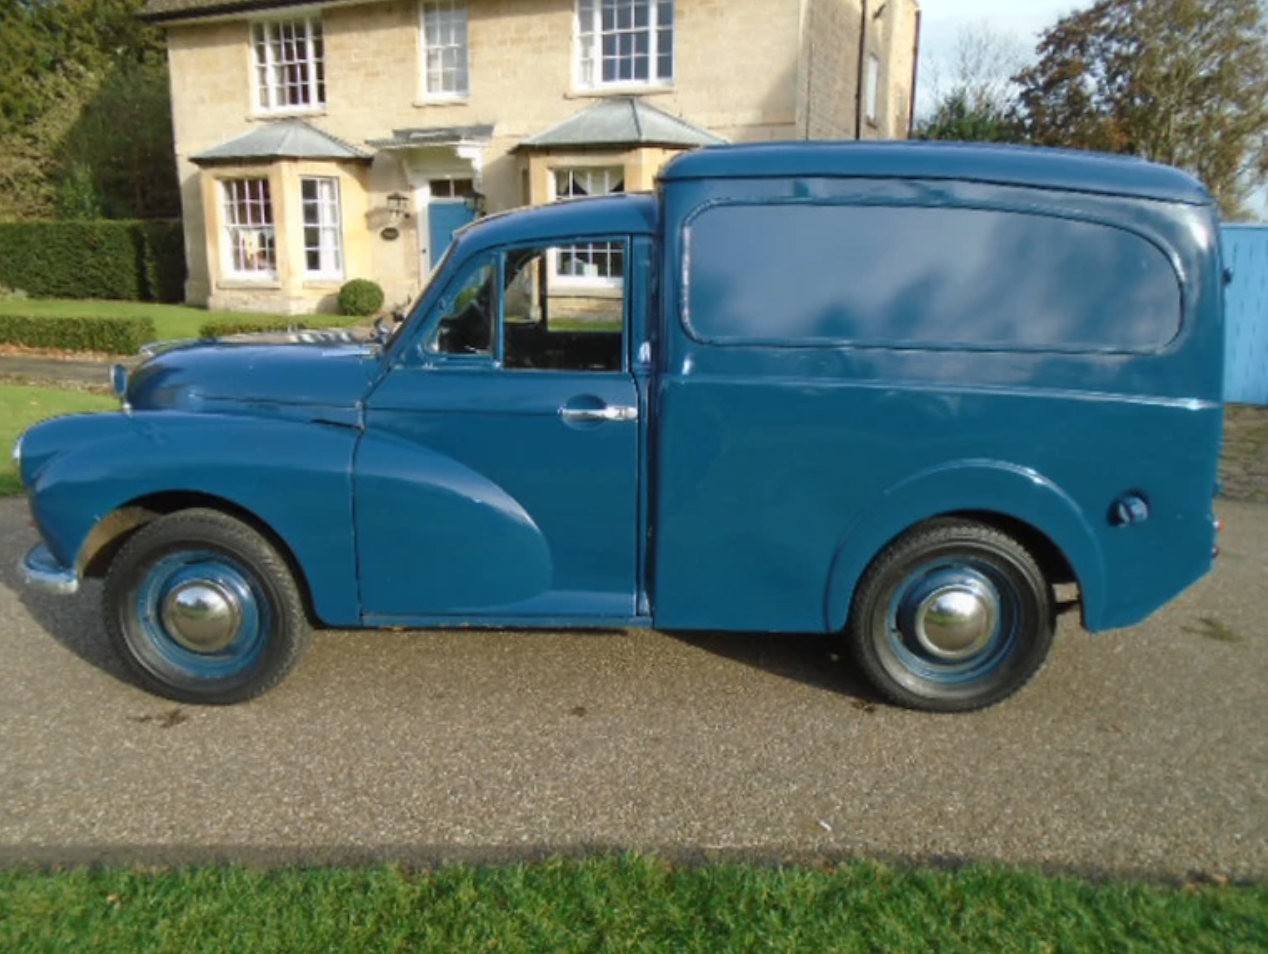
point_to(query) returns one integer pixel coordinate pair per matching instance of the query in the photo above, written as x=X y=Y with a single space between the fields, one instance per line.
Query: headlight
x=17 y=455
x=119 y=380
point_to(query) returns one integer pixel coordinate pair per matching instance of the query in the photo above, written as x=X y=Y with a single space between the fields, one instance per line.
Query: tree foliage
x=85 y=119
x=978 y=104
x=963 y=118
x=1184 y=82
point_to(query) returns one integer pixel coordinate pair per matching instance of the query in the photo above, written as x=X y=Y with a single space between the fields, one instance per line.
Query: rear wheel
x=952 y=616
x=203 y=609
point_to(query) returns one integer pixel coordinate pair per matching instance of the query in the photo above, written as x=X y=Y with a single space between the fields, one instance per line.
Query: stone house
x=322 y=142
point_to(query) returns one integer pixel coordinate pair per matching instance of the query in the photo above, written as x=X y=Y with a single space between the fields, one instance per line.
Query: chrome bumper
x=41 y=571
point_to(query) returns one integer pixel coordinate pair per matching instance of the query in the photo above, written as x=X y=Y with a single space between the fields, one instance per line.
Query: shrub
x=360 y=298
x=120 y=260
x=12 y=294
x=162 y=252
x=221 y=327
x=108 y=335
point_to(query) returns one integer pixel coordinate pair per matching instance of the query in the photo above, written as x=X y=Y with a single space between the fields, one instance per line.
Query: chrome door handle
x=609 y=413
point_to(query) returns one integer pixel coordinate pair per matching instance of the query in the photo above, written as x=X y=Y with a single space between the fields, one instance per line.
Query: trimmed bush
x=112 y=260
x=360 y=298
x=108 y=335
x=223 y=327
x=162 y=252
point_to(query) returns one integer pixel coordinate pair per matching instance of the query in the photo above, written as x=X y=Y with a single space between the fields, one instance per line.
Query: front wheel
x=203 y=610
x=952 y=616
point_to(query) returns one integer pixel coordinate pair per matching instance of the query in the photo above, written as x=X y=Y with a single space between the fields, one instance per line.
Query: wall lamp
x=476 y=202
x=398 y=206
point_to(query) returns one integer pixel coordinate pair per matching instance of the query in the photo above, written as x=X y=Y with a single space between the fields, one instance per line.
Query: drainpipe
x=915 y=74
x=801 y=116
x=862 y=79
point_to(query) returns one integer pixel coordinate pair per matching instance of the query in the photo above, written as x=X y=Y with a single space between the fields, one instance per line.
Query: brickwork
x=747 y=70
x=830 y=78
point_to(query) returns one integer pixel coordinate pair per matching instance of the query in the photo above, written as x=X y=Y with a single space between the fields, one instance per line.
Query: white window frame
x=269 y=87
x=613 y=174
x=872 y=92
x=450 y=16
x=328 y=221
x=245 y=239
x=590 y=36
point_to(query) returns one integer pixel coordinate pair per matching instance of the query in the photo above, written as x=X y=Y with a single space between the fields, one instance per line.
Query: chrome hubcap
x=956 y=621
x=202 y=615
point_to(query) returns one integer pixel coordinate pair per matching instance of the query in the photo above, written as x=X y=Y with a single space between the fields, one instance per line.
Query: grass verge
x=627 y=904
x=170 y=321
x=21 y=405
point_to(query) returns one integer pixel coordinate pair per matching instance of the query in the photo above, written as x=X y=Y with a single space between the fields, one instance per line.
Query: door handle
x=607 y=413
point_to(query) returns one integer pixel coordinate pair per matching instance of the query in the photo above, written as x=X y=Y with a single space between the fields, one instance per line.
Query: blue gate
x=1246 y=344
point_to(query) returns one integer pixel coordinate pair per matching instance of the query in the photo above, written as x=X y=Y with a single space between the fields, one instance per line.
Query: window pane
x=248 y=227
x=467 y=325
x=445 y=41
x=323 y=227
x=927 y=277
x=553 y=325
x=598 y=263
x=631 y=39
x=289 y=67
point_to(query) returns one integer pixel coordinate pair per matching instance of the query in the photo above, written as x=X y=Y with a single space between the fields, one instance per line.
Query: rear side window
x=905 y=276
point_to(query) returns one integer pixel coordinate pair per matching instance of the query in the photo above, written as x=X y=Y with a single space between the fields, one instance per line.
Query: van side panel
x=786 y=459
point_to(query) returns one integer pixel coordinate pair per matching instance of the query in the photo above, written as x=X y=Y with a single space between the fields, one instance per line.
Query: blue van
x=891 y=393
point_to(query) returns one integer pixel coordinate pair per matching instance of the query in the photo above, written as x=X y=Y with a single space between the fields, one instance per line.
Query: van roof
x=1064 y=169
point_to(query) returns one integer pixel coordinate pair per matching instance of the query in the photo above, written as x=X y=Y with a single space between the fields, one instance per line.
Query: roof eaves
x=164 y=11
x=173 y=12
x=283 y=139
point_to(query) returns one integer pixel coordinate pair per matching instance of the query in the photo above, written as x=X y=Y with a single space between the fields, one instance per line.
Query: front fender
x=295 y=477
x=985 y=486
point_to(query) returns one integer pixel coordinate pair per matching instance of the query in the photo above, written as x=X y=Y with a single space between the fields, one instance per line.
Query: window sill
x=625 y=89
x=442 y=101
x=264 y=116
x=243 y=283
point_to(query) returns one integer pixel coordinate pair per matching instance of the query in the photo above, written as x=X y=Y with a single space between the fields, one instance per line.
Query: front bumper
x=40 y=570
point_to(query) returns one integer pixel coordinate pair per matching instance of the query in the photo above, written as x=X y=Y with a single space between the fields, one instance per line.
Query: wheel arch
x=1016 y=501
x=110 y=533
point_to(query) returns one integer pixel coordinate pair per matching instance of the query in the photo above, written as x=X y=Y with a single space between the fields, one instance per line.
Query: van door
x=498 y=477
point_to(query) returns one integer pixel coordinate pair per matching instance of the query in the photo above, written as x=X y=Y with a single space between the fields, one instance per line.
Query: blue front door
x=445 y=219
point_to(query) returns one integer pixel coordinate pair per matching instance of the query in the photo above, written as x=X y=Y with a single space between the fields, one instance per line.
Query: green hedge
x=224 y=327
x=113 y=260
x=108 y=335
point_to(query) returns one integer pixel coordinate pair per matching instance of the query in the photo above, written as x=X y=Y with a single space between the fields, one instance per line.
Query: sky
x=943 y=20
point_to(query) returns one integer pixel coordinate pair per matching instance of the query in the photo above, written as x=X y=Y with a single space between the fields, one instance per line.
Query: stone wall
x=745 y=69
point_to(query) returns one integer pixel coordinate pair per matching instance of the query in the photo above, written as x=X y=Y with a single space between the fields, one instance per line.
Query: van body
x=894 y=393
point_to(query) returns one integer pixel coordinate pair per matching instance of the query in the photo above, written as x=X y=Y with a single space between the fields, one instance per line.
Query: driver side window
x=466 y=327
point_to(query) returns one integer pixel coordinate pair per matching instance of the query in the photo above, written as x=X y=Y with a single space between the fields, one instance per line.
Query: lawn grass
x=170 y=321
x=626 y=904
x=22 y=405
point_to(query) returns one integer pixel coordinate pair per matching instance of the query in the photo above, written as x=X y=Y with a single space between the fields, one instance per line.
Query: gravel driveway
x=1141 y=751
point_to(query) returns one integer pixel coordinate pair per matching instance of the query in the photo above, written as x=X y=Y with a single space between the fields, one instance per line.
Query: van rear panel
x=843 y=357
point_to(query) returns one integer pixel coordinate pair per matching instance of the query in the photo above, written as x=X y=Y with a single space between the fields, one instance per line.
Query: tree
x=979 y=104
x=85 y=119
x=1184 y=82
x=960 y=118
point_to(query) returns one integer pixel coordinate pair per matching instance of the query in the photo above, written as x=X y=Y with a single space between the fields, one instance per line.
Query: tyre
x=952 y=616
x=203 y=610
